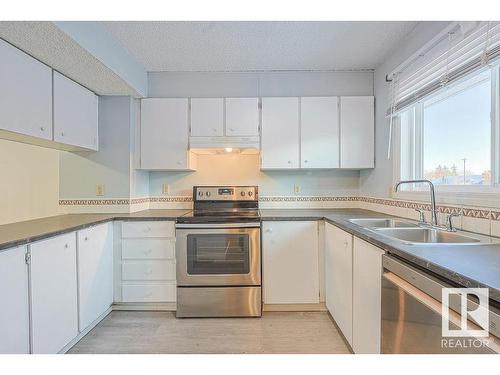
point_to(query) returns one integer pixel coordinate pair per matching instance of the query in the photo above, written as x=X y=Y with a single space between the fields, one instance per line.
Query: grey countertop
x=465 y=265
x=24 y=232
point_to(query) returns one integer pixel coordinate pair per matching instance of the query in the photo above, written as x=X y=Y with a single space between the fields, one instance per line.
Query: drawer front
x=149 y=293
x=148 y=248
x=138 y=229
x=161 y=270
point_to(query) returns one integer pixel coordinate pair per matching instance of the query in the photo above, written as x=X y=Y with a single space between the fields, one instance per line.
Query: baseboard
x=136 y=306
x=295 y=307
x=85 y=331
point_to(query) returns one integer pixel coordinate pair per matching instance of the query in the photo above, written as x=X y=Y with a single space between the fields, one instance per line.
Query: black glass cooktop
x=220 y=216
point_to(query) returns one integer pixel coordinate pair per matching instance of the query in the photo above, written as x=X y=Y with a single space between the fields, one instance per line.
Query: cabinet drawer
x=133 y=229
x=149 y=270
x=149 y=293
x=148 y=248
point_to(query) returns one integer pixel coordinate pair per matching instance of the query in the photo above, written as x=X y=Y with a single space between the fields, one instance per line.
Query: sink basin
x=426 y=235
x=382 y=223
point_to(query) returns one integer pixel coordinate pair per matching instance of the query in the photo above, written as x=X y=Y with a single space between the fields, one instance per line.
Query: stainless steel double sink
x=411 y=233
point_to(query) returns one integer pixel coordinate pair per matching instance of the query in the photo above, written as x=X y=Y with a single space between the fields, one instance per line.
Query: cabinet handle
x=346 y=243
x=66 y=245
x=179 y=162
x=269 y=230
x=42 y=128
x=62 y=134
x=231 y=129
x=148 y=229
x=214 y=129
x=305 y=161
x=86 y=238
x=289 y=162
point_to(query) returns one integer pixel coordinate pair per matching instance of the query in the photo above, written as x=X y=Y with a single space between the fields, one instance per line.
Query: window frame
x=481 y=194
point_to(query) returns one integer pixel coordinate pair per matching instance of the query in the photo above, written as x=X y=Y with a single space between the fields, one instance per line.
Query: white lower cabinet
x=147 y=262
x=54 y=293
x=338 y=278
x=367 y=289
x=95 y=272
x=290 y=262
x=14 y=311
x=353 y=277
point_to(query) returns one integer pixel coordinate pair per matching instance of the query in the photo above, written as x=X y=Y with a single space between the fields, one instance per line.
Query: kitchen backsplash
x=475 y=219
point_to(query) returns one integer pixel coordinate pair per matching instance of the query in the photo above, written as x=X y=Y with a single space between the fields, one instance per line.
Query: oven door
x=218 y=255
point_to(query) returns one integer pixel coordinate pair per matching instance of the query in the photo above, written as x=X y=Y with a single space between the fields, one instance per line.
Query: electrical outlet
x=165 y=188
x=297 y=189
x=99 y=190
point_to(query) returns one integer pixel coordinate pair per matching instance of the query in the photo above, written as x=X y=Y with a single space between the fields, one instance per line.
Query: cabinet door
x=14 y=314
x=207 y=117
x=357 y=132
x=75 y=114
x=95 y=272
x=25 y=93
x=53 y=293
x=164 y=134
x=367 y=289
x=242 y=117
x=280 y=133
x=338 y=278
x=290 y=262
x=319 y=132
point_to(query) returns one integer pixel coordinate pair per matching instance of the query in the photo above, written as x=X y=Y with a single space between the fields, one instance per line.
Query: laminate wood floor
x=160 y=332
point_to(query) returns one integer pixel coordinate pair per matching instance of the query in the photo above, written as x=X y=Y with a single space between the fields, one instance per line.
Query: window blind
x=463 y=49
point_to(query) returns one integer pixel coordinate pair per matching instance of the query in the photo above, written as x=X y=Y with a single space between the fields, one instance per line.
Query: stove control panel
x=225 y=193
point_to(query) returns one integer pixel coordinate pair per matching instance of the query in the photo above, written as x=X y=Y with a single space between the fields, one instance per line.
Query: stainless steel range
x=218 y=254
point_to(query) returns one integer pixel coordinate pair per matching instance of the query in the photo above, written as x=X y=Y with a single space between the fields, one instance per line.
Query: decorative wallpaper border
x=309 y=199
x=473 y=212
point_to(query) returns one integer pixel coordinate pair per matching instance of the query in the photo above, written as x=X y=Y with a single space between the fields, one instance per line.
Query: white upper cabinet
x=280 y=133
x=207 y=117
x=95 y=272
x=165 y=134
x=242 y=117
x=357 y=132
x=319 y=132
x=54 y=308
x=75 y=114
x=14 y=313
x=290 y=262
x=25 y=93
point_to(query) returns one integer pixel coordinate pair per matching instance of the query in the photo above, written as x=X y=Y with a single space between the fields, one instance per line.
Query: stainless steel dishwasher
x=412 y=314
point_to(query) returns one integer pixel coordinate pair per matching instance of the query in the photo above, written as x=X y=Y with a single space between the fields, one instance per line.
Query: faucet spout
x=434 y=220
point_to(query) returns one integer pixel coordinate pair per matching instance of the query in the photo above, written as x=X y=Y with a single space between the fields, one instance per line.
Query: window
x=450 y=137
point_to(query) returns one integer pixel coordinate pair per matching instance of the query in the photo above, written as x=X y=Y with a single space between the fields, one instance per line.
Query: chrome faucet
x=434 y=221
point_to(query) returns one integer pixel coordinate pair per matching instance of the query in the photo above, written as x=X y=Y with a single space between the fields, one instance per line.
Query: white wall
x=379 y=181
x=112 y=165
x=244 y=169
x=217 y=84
x=29 y=187
x=233 y=169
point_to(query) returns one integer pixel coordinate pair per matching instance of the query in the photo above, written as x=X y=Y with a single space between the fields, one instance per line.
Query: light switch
x=297 y=189
x=165 y=188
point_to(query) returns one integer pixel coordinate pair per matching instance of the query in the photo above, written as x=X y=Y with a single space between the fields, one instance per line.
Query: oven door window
x=218 y=254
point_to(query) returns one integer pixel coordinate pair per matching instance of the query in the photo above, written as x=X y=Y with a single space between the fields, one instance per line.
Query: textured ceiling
x=46 y=42
x=246 y=46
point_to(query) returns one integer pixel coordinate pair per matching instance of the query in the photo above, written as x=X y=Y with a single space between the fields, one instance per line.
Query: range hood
x=214 y=145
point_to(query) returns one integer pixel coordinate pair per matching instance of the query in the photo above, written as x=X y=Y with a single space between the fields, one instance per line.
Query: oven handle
x=217 y=225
